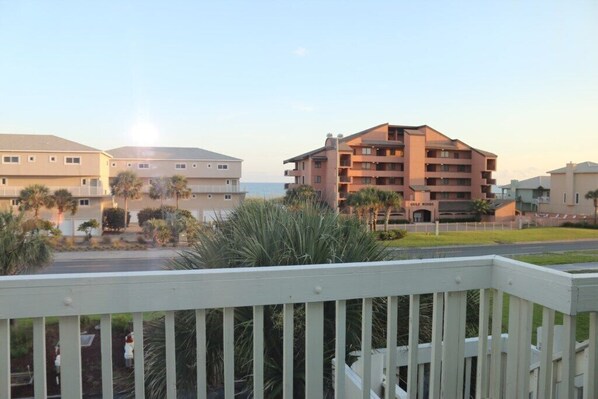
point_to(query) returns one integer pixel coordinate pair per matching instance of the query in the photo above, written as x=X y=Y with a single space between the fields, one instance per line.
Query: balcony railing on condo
x=445 y=282
x=77 y=191
x=208 y=189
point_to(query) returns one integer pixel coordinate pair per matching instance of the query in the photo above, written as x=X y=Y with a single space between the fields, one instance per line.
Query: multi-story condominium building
x=86 y=173
x=213 y=178
x=436 y=175
x=529 y=193
x=568 y=187
x=56 y=163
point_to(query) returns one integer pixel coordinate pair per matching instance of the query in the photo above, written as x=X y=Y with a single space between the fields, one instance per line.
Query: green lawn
x=559 y=258
x=494 y=237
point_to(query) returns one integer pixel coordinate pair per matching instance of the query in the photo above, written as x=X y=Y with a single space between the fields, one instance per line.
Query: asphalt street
x=158 y=259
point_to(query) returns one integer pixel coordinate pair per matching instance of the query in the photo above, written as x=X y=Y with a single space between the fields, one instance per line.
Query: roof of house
x=304 y=156
x=582 y=167
x=41 y=142
x=531 y=184
x=168 y=153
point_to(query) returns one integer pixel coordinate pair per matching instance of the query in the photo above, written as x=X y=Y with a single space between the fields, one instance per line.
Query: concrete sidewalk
x=152 y=253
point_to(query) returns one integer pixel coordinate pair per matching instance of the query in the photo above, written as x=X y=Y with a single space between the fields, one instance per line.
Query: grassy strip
x=413 y=240
x=559 y=258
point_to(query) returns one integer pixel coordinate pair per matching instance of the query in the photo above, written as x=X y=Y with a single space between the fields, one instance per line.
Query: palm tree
x=65 y=202
x=178 y=188
x=35 y=197
x=366 y=203
x=480 y=207
x=593 y=195
x=22 y=248
x=127 y=185
x=160 y=188
x=390 y=200
x=264 y=234
x=297 y=197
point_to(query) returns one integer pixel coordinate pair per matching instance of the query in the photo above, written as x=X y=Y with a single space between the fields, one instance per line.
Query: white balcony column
x=70 y=357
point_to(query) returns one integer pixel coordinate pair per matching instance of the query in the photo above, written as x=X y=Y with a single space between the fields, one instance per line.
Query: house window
x=15 y=202
x=366 y=165
x=444 y=168
x=228 y=197
x=84 y=182
x=366 y=151
x=143 y=166
x=31 y=158
x=180 y=166
x=318 y=179
x=209 y=165
x=194 y=165
x=84 y=202
x=193 y=196
x=52 y=158
x=444 y=182
x=461 y=168
x=129 y=164
x=367 y=180
x=317 y=164
x=564 y=198
x=456 y=155
x=302 y=165
x=222 y=167
x=209 y=196
x=114 y=166
x=392 y=152
x=11 y=159
x=444 y=154
x=460 y=195
x=444 y=195
x=3 y=181
x=576 y=198
x=72 y=160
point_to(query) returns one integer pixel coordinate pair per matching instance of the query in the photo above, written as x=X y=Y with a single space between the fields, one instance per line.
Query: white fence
x=446 y=227
x=448 y=281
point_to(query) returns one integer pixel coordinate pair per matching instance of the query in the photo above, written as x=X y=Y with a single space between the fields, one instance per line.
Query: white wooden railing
x=70 y=296
x=77 y=191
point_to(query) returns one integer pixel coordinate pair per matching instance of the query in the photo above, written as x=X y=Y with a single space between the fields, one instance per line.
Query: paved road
x=156 y=259
x=498 y=249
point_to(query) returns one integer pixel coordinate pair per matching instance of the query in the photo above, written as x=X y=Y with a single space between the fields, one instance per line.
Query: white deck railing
x=77 y=191
x=70 y=296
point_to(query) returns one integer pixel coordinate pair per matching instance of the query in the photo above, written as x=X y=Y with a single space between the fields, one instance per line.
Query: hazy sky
x=265 y=81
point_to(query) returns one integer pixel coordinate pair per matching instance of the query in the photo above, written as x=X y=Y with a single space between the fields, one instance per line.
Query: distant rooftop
x=531 y=184
x=582 y=167
x=170 y=153
x=41 y=142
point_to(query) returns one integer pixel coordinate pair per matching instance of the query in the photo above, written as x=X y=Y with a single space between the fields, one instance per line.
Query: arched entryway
x=421 y=216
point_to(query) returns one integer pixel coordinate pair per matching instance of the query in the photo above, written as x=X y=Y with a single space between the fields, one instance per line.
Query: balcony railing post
x=200 y=338
x=314 y=350
x=391 y=346
x=258 y=352
x=482 y=363
x=106 y=344
x=590 y=376
x=568 y=370
x=414 y=308
x=436 y=358
x=138 y=356
x=545 y=376
x=4 y=359
x=39 y=357
x=340 y=351
x=288 y=350
x=70 y=357
x=496 y=357
x=453 y=348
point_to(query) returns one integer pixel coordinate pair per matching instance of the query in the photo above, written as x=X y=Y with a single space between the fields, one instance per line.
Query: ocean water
x=263 y=190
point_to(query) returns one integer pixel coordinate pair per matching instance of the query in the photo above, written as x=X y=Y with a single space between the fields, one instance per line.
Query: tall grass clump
x=263 y=234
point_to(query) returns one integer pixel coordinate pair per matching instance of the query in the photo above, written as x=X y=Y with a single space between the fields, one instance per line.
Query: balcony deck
x=69 y=297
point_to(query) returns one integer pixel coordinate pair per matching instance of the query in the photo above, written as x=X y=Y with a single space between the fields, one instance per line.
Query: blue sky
x=264 y=80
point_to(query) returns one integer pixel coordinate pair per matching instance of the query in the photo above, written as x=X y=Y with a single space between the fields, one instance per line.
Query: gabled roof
x=41 y=142
x=485 y=153
x=583 y=167
x=168 y=153
x=304 y=156
x=531 y=184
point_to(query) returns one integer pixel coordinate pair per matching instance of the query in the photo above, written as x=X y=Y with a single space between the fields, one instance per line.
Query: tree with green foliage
x=480 y=207
x=178 y=188
x=114 y=219
x=22 y=246
x=34 y=197
x=299 y=196
x=88 y=227
x=128 y=186
x=65 y=202
x=367 y=204
x=264 y=234
x=593 y=195
x=160 y=188
x=390 y=200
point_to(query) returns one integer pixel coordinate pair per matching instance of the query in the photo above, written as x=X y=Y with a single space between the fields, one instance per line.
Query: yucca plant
x=264 y=234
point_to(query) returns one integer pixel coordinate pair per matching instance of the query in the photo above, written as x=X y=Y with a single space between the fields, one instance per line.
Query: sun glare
x=143 y=133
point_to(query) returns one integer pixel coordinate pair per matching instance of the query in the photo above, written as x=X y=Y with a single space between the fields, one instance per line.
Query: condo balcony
x=292 y=172
x=206 y=189
x=77 y=191
x=500 y=360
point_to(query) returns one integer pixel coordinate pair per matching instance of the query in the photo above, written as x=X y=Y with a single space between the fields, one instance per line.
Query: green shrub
x=21 y=342
x=113 y=219
x=391 y=235
x=582 y=225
